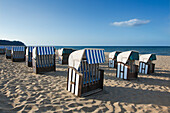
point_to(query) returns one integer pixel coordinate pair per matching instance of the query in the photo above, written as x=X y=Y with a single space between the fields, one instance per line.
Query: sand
x=23 y=91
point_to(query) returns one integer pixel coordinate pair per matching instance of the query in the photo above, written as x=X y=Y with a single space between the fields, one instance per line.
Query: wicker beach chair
x=29 y=56
x=145 y=63
x=2 y=50
x=63 y=55
x=43 y=59
x=84 y=76
x=8 y=52
x=126 y=68
x=113 y=59
x=18 y=53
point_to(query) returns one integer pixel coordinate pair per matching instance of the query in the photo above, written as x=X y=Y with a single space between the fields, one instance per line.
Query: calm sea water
x=159 y=50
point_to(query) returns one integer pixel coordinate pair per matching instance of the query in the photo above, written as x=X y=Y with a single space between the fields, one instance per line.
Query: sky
x=86 y=22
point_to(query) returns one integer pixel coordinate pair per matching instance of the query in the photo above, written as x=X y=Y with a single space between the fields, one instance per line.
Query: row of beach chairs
x=125 y=64
x=16 y=53
x=41 y=58
x=84 y=74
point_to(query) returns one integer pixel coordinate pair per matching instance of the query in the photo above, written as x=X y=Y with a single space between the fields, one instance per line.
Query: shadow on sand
x=130 y=95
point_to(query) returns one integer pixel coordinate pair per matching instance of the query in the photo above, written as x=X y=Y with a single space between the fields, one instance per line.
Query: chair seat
x=94 y=79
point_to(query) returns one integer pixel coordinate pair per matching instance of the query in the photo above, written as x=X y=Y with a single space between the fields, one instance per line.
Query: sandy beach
x=23 y=91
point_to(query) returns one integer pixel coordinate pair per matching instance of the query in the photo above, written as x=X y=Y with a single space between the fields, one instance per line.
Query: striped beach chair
x=84 y=76
x=8 y=52
x=18 y=53
x=2 y=50
x=29 y=56
x=145 y=63
x=63 y=55
x=43 y=59
x=126 y=68
x=113 y=59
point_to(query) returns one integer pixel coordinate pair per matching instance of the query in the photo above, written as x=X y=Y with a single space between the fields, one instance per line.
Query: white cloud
x=132 y=22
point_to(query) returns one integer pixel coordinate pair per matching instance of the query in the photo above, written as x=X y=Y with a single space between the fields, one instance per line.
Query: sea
x=158 y=50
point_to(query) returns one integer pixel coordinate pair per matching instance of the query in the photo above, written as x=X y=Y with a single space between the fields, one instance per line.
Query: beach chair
x=113 y=59
x=126 y=68
x=29 y=56
x=43 y=59
x=84 y=75
x=63 y=55
x=8 y=52
x=2 y=50
x=18 y=53
x=145 y=63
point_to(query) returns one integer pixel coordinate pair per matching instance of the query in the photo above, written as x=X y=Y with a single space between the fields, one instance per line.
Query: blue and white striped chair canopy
x=2 y=47
x=30 y=48
x=8 y=47
x=45 y=50
x=18 y=48
x=93 y=56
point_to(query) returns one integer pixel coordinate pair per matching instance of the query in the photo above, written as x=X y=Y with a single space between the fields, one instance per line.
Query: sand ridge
x=23 y=91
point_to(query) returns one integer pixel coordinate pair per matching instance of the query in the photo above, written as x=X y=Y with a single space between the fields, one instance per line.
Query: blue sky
x=86 y=22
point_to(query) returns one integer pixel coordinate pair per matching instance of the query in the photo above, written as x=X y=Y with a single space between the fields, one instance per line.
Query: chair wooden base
x=83 y=89
x=123 y=71
x=29 y=64
x=17 y=59
x=41 y=70
x=92 y=88
x=153 y=68
x=8 y=54
x=146 y=68
x=91 y=92
x=8 y=57
x=132 y=76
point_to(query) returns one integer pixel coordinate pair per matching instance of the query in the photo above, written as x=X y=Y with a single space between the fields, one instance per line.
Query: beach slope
x=23 y=91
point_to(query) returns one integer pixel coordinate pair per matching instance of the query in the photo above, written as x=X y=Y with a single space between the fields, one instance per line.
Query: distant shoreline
x=158 y=50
